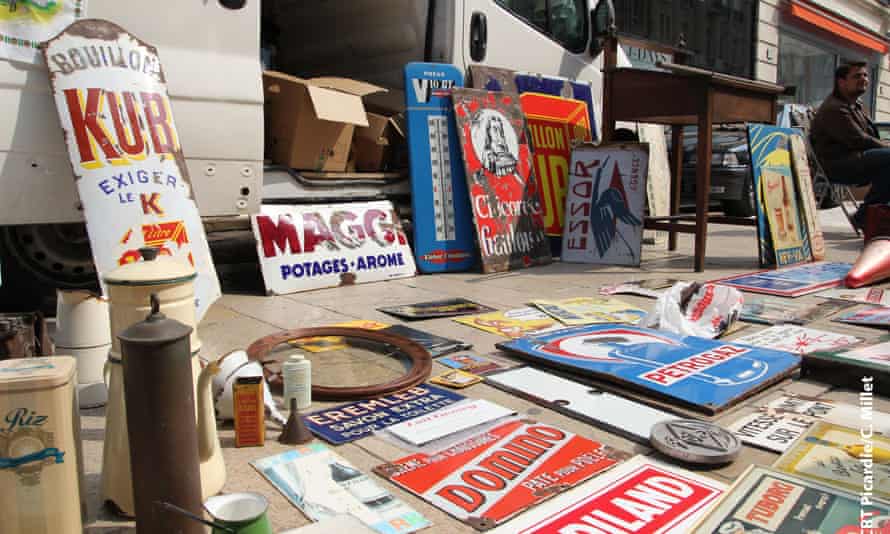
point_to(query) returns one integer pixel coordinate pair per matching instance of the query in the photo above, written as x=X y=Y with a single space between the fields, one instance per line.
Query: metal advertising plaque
x=764 y=500
x=640 y=496
x=865 y=295
x=449 y=420
x=315 y=246
x=474 y=482
x=25 y=24
x=590 y=310
x=111 y=96
x=841 y=457
x=512 y=323
x=322 y=484
x=874 y=315
x=705 y=374
x=791 y=281
x=783 y=239
x=773 y=432
x=559 y=86
x=349 y=422
x=804 y=181
x=838 y=413
x=436 y=308
x=443 y=223
x=554 y=125
x=605 y=203
x=796 y=339
x=616 y=414
x=505 y=194
x=695 y=442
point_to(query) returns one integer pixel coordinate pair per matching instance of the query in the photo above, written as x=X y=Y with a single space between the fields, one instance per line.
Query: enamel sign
x=504 y=191
x=316 y=246
x=111 y=96
x=604 y=205
x=490 y=477
x=702 y=373
x=25 y=24
x=639 y=496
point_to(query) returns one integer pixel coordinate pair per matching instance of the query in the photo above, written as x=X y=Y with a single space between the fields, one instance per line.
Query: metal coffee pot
x=129 y=289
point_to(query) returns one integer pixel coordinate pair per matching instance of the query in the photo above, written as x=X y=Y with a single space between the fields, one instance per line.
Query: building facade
x=795 y=43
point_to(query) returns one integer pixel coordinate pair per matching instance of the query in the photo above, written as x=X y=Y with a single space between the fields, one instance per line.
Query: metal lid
x=156 y=328
x=153 y=269
x=695 y=442
x=36 y=373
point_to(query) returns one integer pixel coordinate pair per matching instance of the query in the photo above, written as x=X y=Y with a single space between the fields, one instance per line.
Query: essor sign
x=112 y=101
x=639 y=496
x=310 y=247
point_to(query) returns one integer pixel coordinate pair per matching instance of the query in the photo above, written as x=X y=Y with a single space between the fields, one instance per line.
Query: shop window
x=564 y=21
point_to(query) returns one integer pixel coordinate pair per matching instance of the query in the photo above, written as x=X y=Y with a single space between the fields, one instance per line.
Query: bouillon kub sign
x=125 y=152
x=504 y=193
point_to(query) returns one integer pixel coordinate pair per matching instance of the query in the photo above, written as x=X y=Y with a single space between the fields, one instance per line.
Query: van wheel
x=38 y=259
x=744 y=206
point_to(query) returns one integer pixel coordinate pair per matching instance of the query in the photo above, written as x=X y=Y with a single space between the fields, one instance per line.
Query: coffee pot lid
x=152 y=270
x=156 y=328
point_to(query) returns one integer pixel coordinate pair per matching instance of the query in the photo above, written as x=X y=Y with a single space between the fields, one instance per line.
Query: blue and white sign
x=315 y=246
x=349 y=422
x=443 y=224
x=706 y=374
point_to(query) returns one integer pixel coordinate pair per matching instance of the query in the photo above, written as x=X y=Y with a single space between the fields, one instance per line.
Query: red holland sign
x=492 y=476
x=639 y=496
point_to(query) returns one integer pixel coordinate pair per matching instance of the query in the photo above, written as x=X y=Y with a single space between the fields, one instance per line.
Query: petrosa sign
x=131 y=176
x=488 y=478
x=639 y=496
x=311 y=247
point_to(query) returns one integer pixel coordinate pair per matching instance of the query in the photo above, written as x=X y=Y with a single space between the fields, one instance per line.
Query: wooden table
x=678 y=97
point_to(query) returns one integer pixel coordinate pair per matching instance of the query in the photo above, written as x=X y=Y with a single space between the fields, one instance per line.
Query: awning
x=837 y=26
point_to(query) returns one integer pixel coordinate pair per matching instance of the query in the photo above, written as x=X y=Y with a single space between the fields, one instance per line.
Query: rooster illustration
x=611 y=206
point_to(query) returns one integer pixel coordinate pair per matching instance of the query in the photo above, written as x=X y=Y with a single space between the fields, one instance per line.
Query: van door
x=539 y=36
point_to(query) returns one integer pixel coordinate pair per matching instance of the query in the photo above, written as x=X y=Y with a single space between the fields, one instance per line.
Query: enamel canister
x=41 y=469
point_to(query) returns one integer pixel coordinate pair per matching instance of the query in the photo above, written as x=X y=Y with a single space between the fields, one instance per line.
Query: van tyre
x=744 y=206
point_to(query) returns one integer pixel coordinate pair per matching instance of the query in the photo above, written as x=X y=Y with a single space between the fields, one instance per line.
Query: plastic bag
x=694 y=309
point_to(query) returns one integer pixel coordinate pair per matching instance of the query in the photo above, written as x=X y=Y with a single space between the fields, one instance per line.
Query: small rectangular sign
x=790 y=281
x=447 y=421
x=472 y=482
x=640 y=496
x=349 y=422
x=873 y=315
x=797 y=339
x=773 y=432
x=512 y=323
x=316 y=246
x=436 y=308
x=590 y=310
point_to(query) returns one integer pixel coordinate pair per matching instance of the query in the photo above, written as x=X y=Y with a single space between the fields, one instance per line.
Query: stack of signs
x=797 y=339
x=781 y=232
x=322 y=485
x=435 y=308
x=841 y=457
x=616 y=414
x=764 y=500
x=443 y=229
x=512 y=323
x=589 y=310
x=852 y=364
x=604 y=205
x=790 y=281
x=311 y=247
x=554 y=124
x=504 y=193
x=868 y=316
x=471 y=482
x=703 y=374
x=640 y=496
x=349 y=422
x=125 y=153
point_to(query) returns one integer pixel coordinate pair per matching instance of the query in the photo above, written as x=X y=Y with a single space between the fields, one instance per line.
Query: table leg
x=703 y=183
x=676 y=178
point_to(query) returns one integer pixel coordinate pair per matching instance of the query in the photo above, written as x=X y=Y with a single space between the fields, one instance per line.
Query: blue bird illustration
x=608 y=209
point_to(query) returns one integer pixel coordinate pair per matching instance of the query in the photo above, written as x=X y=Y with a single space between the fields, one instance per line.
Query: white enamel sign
x=771 y=432
x=604 y=204
x=111 y=96
x=448 y=421
x=317 y=246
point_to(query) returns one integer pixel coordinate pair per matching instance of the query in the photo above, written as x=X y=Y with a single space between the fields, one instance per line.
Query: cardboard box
x=374 y=144
x=311 y=122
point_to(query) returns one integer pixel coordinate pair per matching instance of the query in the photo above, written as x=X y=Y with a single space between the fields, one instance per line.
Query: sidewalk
x=239 y=318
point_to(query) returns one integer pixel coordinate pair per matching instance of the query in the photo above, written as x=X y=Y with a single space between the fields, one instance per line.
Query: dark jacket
x=841 y=131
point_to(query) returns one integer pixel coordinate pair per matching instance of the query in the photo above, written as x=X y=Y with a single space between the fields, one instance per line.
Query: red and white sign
x=131 y=176
x=639 y=496
x=490 y=477
x=316 y=246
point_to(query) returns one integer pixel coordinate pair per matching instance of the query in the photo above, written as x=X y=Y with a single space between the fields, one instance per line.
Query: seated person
x=846 y=140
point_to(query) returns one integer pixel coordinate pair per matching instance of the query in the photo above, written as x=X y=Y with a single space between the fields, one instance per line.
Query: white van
x=211 y=53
